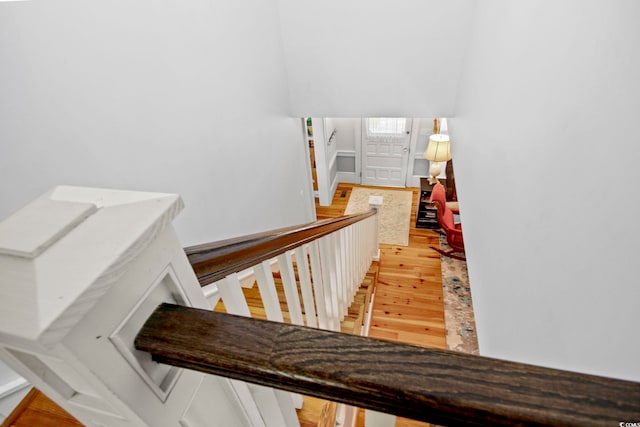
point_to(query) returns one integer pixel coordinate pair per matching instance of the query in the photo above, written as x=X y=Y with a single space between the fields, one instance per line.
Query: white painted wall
x=332 y=144
x=374 y=58
x=348 y=149
x=348 y=133
x=159 y=96
x=546 y=146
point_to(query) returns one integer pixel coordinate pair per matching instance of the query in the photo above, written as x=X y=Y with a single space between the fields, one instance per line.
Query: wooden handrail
x=437 y=386
x=214 y=261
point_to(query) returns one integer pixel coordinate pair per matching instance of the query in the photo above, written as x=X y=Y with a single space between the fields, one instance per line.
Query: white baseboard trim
x=349 y=177
x=12 y=387
x=334 y=187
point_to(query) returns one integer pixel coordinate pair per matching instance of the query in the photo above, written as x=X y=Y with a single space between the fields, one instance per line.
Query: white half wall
x=189 y=98
x=546 y=145
x=374 y=58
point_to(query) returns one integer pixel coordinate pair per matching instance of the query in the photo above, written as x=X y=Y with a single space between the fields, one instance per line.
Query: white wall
x=374 y=58
x=332 y=144
x=186 y=97
x=347 y=128
x=546 y=145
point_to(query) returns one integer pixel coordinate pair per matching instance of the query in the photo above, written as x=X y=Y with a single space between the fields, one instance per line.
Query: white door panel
x=385 y=162
x=385 y=151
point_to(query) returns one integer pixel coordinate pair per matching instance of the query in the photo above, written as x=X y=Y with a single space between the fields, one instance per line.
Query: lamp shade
x=439 y=149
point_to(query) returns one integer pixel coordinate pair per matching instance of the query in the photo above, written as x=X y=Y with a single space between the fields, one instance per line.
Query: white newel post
x=375 y=202
x=80 y=270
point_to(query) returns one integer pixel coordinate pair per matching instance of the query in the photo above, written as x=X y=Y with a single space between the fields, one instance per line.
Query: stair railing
x=437 y=386
x=87 y=273
x=323 y=262
x=81 y=270
x=320 y=266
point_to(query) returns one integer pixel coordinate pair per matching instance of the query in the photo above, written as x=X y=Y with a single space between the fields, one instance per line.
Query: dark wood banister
x=214 y=261
x=437 y=386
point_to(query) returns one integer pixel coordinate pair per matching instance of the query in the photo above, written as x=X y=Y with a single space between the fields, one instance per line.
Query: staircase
x=133 y=299
x=357 y=314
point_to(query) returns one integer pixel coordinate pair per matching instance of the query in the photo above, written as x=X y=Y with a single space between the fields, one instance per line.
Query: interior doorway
x=385 y=151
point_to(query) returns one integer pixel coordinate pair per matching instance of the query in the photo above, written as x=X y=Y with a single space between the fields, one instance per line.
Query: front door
x=385 y=151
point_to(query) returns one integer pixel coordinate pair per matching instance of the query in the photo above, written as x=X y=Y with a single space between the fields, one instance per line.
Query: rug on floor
x=458 y=306
x=396 y=212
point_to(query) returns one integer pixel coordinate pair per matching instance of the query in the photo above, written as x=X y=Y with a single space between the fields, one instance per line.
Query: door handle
x=405 y=149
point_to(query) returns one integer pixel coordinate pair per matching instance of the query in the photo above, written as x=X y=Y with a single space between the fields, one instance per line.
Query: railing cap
x=60 y=253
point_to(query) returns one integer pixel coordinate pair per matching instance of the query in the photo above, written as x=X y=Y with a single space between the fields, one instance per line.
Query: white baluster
x=353 y=266
x=211 y=294
x=352 y=252
x=339 y=271
x=355 y=253
x=349 y=266
x=363 y=246
x=327 y=260
x=290 y=289
x=268 y=291
x=271 y=402
x=359 y=243
x=346 y=297
x=318 y=287
x=372 y=238
x=346 y=286
x=378 y=419
x=232 y=296
x=346 y=267
x=375 y=202
x=305 y=287
x=368 y=237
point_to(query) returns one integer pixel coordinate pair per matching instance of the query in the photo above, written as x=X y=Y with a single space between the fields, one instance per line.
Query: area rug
x=458 y=306
x=396 y=212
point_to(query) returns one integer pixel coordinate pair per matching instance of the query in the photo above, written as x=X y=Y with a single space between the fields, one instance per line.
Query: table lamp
x=438 y=150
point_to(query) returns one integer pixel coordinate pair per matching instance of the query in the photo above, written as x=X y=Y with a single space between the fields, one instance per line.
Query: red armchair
x=445 y=219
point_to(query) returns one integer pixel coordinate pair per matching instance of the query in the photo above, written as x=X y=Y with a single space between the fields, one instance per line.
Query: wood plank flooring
x=408 y=305
x=37 y=410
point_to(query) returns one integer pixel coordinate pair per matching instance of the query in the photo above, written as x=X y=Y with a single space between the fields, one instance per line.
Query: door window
x=385 y=126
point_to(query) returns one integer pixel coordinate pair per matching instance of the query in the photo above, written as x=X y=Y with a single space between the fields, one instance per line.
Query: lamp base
x=434 y=171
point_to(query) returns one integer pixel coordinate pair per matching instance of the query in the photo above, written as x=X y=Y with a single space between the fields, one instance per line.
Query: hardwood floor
x=408 y=305
x=37 y=410
x=408 y=308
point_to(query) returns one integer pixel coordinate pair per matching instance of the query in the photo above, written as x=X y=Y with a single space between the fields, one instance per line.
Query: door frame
x=361 y=152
